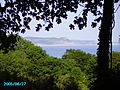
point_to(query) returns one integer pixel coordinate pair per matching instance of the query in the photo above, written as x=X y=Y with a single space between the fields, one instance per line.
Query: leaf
x=72 y=26
x=23 y=31
x=39 y=26
x=28 y=27
x=24 y=14
x=93 y=25
x=80 y=26
x=58 y=20
x=37 y=17
x=98 y=19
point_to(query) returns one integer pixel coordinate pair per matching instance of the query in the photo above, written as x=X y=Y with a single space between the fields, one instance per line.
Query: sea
x=58 y=51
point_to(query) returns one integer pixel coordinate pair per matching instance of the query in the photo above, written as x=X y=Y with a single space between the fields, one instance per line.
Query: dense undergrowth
x=29 y=63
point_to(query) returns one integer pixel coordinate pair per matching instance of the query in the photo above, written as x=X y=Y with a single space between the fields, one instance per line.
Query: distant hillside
x=57 y=41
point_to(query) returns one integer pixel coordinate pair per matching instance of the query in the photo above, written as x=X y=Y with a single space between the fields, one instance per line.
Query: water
x=58 y=51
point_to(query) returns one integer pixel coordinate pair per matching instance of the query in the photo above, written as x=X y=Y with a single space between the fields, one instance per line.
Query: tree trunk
x=105 y=37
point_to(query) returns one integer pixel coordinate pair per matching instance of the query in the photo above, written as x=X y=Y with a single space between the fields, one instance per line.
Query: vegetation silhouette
x=49 y=11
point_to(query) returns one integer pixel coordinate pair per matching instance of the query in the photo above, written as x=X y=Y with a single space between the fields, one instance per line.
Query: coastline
x=65 y=44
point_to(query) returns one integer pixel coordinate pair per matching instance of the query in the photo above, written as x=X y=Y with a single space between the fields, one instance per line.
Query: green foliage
x=30 y=63
x=112 y=76
x=14 y=63
x=68 y=75
x=27 y=62
x=115 y=72
x=21 y=64
x=33 y=52
x=116 y=61
x=66 y=82
x=7 y=42
x=85 y=61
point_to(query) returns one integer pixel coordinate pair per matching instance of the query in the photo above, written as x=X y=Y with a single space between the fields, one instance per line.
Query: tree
x=87 y=63
x=105 y=39
x=53 y=10
x=40 y=71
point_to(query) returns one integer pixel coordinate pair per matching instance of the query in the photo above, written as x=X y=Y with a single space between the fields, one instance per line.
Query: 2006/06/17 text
x=14 y=83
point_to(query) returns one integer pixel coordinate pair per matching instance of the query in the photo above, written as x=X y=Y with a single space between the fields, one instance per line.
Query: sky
x=63 y=30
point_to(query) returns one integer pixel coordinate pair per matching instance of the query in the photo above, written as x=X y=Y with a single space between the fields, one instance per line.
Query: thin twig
x=117 y=8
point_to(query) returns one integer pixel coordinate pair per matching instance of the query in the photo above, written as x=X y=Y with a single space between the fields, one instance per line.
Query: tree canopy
x=74 y=71
x=31 y=64
x=15 y=15
x=46 y=12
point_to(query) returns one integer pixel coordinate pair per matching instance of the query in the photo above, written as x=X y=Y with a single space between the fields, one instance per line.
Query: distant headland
x=63 y=41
